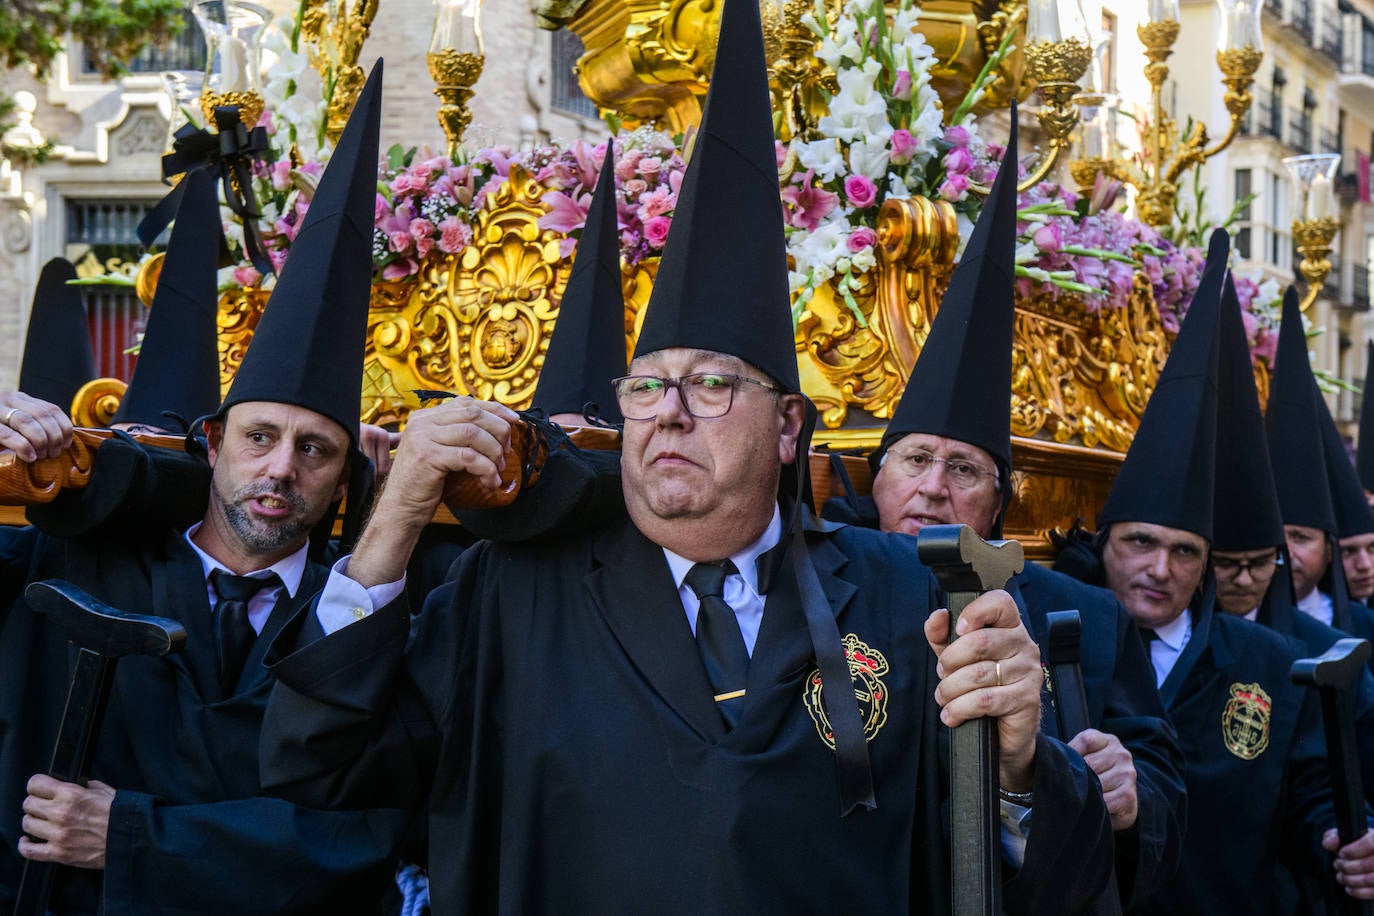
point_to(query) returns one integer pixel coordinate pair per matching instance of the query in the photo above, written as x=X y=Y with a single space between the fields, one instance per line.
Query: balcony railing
x=1332 y=37
x=1265 y=118
x=1299 y=130
x=1359 y=288
x=1331 y=142
x=183 y=51
x=1358 y=56
x=1300 y=17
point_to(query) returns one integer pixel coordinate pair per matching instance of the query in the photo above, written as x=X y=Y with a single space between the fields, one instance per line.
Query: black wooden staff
x=966 y=566
x=1333 y=674
x=102 y=635
x=1063 y=647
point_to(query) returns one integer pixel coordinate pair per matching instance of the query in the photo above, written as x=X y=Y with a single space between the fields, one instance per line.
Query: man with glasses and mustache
x=709 y=706
x=173 y=818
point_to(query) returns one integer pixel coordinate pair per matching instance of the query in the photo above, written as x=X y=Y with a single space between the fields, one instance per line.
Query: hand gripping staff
x=101 y=635
x=1333 y=674
x=966 y=566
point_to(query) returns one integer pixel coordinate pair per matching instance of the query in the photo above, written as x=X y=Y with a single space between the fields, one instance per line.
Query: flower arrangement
x=885 y=135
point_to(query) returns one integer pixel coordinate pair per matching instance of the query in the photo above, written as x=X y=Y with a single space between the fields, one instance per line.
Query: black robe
x=553 y=705
x=1122 y=700
x=190 y=830
x=1119 y=683
x=1258 y=795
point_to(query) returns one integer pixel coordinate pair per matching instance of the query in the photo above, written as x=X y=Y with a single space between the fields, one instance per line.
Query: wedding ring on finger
x=998 y=667
x=9 y=415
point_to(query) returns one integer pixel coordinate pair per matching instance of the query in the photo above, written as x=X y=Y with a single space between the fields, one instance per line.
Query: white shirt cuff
x=345 y=601
x=1015 y=832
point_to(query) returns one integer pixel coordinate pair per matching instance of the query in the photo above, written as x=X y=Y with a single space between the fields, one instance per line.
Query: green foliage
x=1191 y=225
x=32 y=32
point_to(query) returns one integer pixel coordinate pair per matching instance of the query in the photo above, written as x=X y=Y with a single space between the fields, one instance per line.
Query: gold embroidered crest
x=866 y=667
x=1245 y=721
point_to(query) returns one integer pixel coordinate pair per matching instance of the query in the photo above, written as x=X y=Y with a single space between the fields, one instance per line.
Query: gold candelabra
x=336 y=33
x=800 y=81
x=1167 y=154
x=455 y=62
x=1315 y=227
x=233 y=31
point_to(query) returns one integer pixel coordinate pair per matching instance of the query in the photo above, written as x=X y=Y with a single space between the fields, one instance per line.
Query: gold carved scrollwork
x=1085 y=375
x=864 y=359
x=239 y=311
x=477 y=322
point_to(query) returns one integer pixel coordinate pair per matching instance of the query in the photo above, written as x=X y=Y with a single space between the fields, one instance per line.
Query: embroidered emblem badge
x=1245 y=721
x=866 y=667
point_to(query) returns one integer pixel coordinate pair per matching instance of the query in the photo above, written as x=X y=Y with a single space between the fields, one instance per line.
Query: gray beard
x=259 y=536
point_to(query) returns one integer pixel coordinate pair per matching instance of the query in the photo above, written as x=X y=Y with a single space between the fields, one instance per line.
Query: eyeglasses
x=1257 y=567
x=705 y=395
x=961 y=472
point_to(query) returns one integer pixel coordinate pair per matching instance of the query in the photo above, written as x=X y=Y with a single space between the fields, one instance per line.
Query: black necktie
x=236 y=635
x=719 y=639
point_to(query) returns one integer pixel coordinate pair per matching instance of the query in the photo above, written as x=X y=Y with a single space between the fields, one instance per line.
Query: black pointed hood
x=587 y=348
x=1295 y=447
x=58 y=358
x=1169 y=473
x=1364 y=455
x=178 y=363
x=722 y=282
x=960 y=387
x=1246 y=508
x=1353 y=515
x=308 y=347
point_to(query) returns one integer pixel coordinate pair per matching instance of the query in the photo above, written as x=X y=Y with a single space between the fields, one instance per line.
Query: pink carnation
x=247 y=275
x=861 y=238
x=861 y=191
x=453 y=236
x=657 y=202
x=399 y=242
x=421 y=228
x=656 y=231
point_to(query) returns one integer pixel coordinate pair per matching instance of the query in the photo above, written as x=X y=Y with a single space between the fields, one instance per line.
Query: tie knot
x=707 y=580
x=240 y=588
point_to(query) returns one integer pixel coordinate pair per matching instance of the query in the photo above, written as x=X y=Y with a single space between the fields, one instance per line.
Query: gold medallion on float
x=1245 y=721
x=866 y=667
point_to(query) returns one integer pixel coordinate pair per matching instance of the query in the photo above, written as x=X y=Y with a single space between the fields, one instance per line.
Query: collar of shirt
x=1317 y=604
x=1169 y=643
x=741 y=590
x=1252 y=614
x=290 y=570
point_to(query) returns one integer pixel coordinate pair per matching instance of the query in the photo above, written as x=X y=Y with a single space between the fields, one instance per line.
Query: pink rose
x=424 y=245
x=453 y=236
x=399 y=242
x=958 y=161
x=861 y=238
x=903 y=146
x=421 y=228
x=628 y=164
x=635 y=187
x=957 y=136
x=901 y=86
x=656 y=231
x=649 y=166
x=1048 y=238
x=861 y=191
x=953 y=187
x=402 y=184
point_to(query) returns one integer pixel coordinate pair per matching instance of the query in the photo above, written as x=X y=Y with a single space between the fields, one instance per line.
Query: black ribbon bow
x=228 y=156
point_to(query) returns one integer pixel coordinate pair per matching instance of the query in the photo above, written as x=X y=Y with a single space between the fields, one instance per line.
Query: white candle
x=234 y=65
x=1320 y=202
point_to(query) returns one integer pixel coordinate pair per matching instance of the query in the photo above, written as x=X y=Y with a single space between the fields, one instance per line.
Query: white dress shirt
x=741 y=589
x=1169 y=642
x=289 y=570
x=1317 y=604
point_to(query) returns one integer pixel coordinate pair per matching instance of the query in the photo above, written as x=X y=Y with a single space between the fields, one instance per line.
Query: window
x=102 y=239
x=567 y=94
x=1109 y=54
x=1241 y=189
x=1279 y=250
